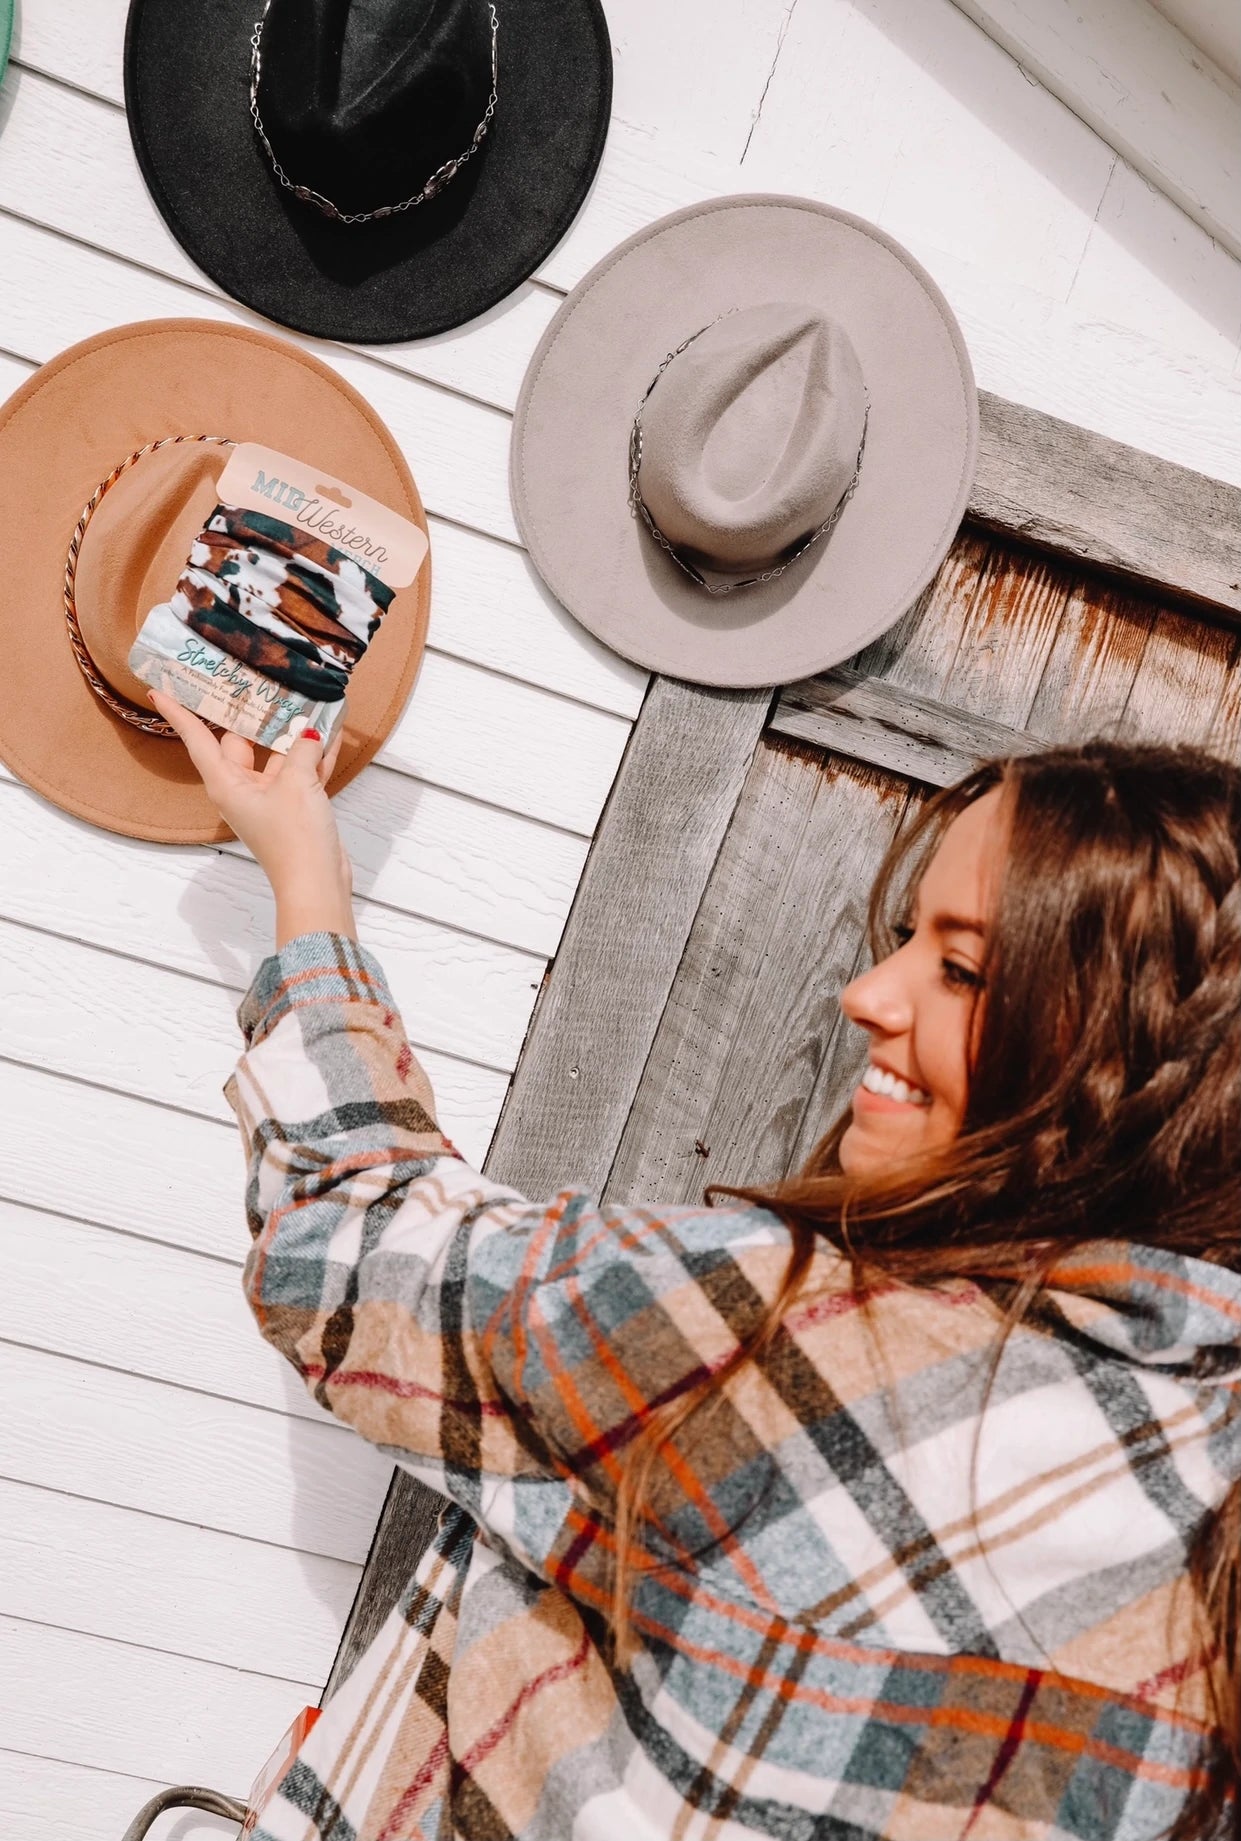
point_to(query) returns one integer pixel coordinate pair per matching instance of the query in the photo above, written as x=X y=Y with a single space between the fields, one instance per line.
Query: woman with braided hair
x=899 y=1501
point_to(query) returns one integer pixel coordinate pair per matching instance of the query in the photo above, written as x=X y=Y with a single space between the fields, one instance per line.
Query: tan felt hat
x=148 y=412
x=746 y=441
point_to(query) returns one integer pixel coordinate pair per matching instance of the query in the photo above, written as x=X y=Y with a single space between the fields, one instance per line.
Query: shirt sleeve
x=507 y=1353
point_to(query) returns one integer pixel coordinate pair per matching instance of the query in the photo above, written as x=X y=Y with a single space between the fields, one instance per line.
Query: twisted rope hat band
x=128 y=712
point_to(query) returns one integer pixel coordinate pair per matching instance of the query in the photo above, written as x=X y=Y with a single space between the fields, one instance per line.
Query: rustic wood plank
x=756 y=1000
x=978 y=640
x=1064 y=488
x=1180 y=682
x=1092 y=664
x=792 y=1021
x=672 y=804
x=918 y=652
x=1224 y=735
x=1007 y=635
x=661 y=831
x=658 y=1155
x=867 y=719
x=847 y=1047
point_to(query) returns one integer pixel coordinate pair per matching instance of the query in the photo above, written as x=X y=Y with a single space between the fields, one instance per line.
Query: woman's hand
x=282 y=813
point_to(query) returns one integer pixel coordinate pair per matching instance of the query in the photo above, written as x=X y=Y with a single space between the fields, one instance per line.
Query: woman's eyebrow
x=956 y=923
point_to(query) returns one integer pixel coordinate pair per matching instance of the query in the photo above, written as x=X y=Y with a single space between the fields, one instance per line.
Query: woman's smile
x=883 y=1091
x=921 y=1005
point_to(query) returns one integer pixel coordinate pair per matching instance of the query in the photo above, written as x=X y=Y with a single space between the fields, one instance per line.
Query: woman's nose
x=878 y=1000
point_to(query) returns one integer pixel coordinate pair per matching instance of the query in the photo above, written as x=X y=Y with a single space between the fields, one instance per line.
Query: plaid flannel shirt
x=873 y=1614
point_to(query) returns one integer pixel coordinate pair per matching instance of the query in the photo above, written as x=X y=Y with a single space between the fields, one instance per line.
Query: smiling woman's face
x=920 y=1005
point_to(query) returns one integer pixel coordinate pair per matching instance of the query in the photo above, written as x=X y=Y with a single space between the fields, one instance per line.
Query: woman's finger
x=303 y=758
x=327 y=766
x=237 y=749
x=200 y=744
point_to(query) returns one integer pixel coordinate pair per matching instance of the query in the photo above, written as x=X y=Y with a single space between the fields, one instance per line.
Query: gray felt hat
x=746 y=441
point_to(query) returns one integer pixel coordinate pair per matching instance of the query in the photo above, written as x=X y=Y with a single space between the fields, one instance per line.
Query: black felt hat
x=369 y=170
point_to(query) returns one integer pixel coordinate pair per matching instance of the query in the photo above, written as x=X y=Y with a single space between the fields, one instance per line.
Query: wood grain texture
x=136 y=1578
x=141 y=1029
x=866 y=719
x=51 y=1799
x=186 y=1456
x=210 y=913
x=847 y=1048
x=756 y=997
x=672 y=803
x=118 y=1707
x=1182 y=680
x=979 y=639
x=1060 y=486
x=1142 y=86
x=1098 y=645
x=658 y=1154
x=184 y=1190
x=132 y=1305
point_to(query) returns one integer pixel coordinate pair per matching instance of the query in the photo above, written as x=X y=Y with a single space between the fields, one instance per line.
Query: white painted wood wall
x=181 y=1531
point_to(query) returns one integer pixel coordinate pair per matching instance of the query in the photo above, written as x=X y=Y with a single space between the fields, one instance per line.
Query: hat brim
x=61 y=434
x=570 y=451
x=187 y=74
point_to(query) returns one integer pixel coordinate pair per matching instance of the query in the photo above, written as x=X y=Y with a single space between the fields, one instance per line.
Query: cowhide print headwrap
x=280 y=600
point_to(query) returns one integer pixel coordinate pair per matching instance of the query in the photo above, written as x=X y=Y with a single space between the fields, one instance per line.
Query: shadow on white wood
x=186 y=1456
x=51 y=1799
x=139 y=1578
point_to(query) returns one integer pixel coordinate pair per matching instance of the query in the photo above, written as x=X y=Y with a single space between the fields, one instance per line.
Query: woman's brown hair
x=1104 y=1102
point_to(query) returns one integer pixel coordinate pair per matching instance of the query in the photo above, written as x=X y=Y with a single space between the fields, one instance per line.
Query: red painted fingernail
x=311 y=735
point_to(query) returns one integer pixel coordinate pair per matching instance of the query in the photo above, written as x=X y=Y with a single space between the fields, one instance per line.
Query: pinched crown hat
x=109 y=462
x=369 y=170
x=746 y=441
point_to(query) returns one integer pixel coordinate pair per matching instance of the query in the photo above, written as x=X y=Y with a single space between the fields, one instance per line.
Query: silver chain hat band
x=637 y=504
x=435 y=184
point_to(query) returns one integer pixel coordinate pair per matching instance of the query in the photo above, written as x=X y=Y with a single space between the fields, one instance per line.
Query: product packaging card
x=283 y=590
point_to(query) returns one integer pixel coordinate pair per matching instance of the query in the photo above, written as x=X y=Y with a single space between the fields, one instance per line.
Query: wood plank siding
x=181 y=1530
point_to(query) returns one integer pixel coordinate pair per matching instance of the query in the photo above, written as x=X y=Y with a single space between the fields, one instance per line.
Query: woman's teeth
x=878 y=1080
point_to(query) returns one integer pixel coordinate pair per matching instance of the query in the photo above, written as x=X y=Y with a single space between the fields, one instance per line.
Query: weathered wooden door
x=1010 y=650
x=690 y=1030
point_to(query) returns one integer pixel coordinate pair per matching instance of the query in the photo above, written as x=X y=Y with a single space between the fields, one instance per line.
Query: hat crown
x=363 y=100
x=751 y=436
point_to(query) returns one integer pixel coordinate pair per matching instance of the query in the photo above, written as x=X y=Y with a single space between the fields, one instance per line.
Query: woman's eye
x=961 y=977
x=902 y=935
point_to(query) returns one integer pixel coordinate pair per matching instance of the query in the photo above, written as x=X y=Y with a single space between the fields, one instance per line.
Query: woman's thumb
x=305 y=754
